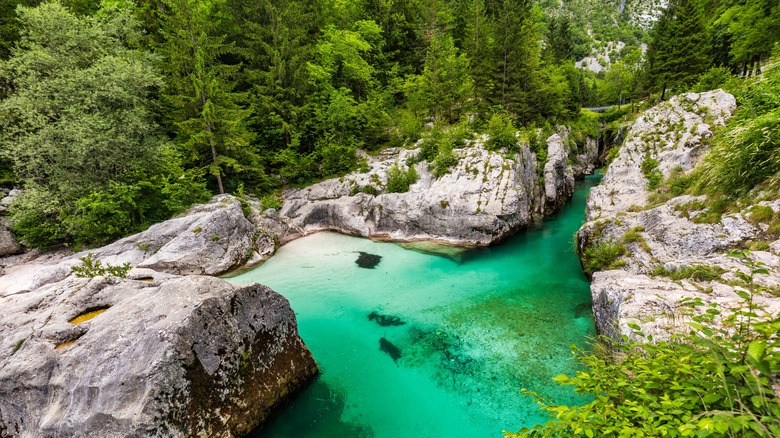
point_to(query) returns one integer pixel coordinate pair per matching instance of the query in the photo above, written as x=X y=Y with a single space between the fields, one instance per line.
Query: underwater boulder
x=367 y=260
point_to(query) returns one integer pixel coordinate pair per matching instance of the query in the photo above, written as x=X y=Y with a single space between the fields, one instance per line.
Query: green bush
x=91 y=267
x=335 y=158
x=602 y=255
x=649 y=168
x=501 y=133
x=398 y=181
x=714 y=78
x=715 y=381
x=444 y=160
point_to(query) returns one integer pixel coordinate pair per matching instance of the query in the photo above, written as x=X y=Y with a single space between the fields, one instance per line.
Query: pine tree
x=477 y=44
x=209 y=116
x=516 y=54
x=560 y=42
x=679 y=49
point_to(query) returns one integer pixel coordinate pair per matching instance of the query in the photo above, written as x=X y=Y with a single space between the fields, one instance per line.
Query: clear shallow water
x=475 y=332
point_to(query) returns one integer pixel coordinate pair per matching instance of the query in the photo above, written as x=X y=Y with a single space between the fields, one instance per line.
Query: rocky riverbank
x=170 y=350
x=483 y=199
x=650 y=254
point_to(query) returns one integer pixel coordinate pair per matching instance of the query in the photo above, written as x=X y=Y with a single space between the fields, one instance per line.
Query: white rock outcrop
x=667 y=237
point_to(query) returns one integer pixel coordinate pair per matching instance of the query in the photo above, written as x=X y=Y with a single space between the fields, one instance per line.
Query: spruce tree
x=678 y=53
x=477 y=44
x=208 y=115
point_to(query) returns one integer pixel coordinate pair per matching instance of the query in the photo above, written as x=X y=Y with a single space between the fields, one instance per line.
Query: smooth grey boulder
x=169 y=357
x=8 y=243
x=558 y=175
x=209 y=239
x=483 y=199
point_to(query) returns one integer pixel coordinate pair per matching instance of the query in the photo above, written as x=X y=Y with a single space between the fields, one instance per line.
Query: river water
x=422 y=345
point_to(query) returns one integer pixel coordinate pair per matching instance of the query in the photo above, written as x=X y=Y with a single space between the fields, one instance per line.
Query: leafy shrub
x=679 y=183
x=271 y=200
x=370 y=189
x=715 y=381
x=429 y=146
x=713 y=78
x=602 y=255
x=334 y=157
x=444 y=160
x=398 y=181
x=92 y=267
x=502 y=133
x=649 y=168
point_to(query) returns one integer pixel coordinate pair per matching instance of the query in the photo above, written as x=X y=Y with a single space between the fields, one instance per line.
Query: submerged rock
x=583 y=309
x=367 y=261
x=385 y=320
x=391 y=350
x=168 y=356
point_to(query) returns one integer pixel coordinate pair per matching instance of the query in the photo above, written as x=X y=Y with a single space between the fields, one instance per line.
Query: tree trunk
x=214 y=158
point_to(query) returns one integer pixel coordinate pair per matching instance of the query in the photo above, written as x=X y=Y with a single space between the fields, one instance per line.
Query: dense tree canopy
x=258 y=95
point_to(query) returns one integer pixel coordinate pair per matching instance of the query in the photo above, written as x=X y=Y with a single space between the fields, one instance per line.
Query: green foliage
x=92 y=267
x=649 y=168
x=696 y=272
x=602 y=255
x=18 y=345
x=208 y=115
x=443 y=89
x=715 y=381
x=501 y=133
x=760 y=214
x=80 y=133
x=445 y=159
x=714 y=78
x=271 y=200
x=746 y=153
x=678 y=52
x=398 y=181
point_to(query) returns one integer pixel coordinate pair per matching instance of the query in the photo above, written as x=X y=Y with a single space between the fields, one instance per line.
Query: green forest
x=115 y=115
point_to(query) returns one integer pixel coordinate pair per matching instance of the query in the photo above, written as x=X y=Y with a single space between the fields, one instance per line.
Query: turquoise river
x=429 y=346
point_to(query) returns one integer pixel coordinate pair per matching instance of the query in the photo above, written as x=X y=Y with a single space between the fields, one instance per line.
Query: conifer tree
x=517 y=57
x=679 y=49
x=208 y=115
x=477 y=45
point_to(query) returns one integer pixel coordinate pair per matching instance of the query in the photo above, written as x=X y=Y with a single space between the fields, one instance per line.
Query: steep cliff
x=649 y=255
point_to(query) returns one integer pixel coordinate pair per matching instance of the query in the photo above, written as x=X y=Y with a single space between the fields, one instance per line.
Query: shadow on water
x=317 y=413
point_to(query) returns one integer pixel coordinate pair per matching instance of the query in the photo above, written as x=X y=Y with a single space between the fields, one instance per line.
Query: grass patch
x=760 y=214
x=603 y=255
x=696 y=272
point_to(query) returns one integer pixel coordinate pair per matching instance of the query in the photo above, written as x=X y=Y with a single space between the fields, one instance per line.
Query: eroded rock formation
x=168 y=356
x=666 y=237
